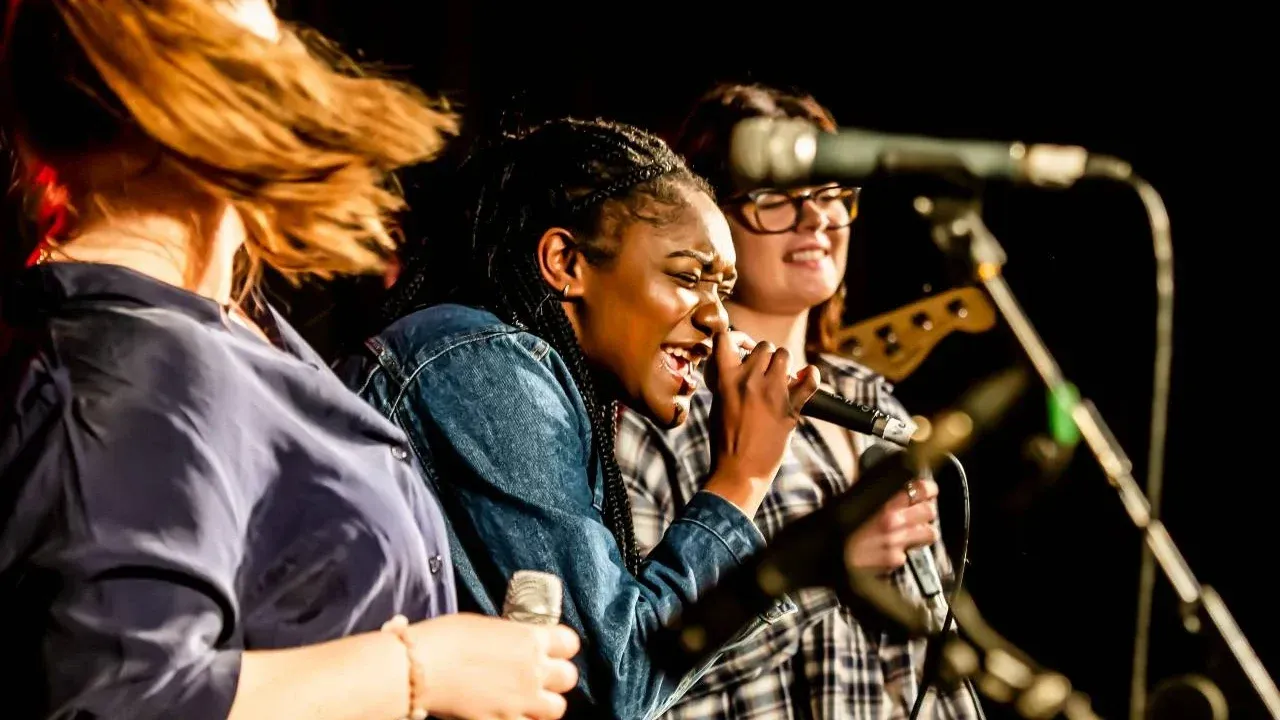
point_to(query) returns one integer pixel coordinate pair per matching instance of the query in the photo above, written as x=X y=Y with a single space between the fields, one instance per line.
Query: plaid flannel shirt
x=819 y=662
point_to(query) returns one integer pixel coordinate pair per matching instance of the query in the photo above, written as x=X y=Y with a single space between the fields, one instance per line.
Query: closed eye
x=722 y=287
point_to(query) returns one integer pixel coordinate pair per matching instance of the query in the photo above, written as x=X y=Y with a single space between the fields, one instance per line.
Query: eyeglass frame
x=798 y=198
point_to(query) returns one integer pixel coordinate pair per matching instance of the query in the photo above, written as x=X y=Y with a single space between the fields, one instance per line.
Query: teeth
x=807 y=255
x=679 y=352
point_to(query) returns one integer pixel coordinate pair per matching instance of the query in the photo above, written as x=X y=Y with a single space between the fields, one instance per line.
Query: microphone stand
x=958 y=230
x=1004 y=673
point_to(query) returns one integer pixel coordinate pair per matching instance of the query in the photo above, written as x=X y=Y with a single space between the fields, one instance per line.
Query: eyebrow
x=705 y=258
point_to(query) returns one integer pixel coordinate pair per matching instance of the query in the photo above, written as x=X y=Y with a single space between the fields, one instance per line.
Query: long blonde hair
x=298 y=144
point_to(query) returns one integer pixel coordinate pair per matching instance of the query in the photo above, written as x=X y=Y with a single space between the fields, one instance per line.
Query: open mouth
x=684 y=362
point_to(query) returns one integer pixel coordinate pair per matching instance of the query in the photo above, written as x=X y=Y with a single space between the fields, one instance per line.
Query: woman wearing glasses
x=792 y=246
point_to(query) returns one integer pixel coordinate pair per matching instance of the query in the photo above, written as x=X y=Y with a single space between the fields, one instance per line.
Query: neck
x=192 y=251
x=784 y=331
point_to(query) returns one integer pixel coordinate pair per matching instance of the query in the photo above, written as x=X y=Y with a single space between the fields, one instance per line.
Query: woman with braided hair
x=587 y=266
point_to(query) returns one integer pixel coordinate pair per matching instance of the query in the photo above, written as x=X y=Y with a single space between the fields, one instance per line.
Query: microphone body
x=790 y=151
x=855 y=416
x=920 y=560
x=925 y=570
x=533 y=597
x=858 y=417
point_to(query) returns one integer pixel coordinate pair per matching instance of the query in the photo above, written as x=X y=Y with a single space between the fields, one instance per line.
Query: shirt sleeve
x=506 y=408
x=139 y=560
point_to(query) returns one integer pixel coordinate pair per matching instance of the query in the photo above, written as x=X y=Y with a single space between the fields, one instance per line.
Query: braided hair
x=589 y=177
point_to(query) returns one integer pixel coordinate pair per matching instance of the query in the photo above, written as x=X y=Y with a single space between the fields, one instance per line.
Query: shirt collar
x=42 y=289
x=841 y=369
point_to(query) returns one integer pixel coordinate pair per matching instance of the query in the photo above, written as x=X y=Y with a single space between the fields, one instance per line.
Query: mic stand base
x=958 y=230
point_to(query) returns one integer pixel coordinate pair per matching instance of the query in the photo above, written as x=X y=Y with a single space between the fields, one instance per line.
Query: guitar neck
x=895 y=343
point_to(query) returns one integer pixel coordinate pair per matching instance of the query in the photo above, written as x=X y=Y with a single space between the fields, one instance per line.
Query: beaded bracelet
x=399 y=626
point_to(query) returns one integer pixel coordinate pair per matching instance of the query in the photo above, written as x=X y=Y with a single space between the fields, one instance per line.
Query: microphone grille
x=765 y=150
x=533 y=597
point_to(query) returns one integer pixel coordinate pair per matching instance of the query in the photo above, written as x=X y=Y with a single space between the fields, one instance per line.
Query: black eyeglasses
x=779 y=211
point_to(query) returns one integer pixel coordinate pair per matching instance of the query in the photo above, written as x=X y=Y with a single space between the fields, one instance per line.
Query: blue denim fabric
x=495 y=417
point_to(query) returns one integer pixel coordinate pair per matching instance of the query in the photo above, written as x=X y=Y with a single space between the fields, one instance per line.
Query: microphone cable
x=929 y=672
x=1162 y=246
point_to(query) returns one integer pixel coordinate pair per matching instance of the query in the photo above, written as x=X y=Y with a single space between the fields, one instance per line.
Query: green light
x=1062 y=401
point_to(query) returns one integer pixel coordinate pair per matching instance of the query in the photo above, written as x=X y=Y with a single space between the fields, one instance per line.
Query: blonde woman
x=197 y=519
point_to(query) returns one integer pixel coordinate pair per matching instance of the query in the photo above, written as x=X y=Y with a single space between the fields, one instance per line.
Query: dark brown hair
x=703 y=139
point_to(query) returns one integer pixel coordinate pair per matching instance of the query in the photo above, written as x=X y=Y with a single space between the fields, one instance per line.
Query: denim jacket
x=500 y=426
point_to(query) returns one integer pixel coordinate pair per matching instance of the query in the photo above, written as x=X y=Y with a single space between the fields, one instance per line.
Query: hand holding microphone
x=912 y=512
x=903 y=530
x=848 y=414
x=756 y=408
x=905 y=524
x=519 y=667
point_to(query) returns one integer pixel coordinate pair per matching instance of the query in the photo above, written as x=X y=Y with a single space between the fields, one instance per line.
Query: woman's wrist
x=416 y=673
x=743 y=490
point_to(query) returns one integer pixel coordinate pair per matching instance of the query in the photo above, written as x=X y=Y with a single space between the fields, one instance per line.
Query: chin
x=824 y=293
x=818 y=295
x=797 y=299
x=667 y=412
x=797 y=303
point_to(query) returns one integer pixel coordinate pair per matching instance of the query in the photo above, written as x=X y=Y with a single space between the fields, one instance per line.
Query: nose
x=710 y=317
x=811 y=217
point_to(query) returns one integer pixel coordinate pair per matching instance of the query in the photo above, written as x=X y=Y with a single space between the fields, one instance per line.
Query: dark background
x=1053 y=558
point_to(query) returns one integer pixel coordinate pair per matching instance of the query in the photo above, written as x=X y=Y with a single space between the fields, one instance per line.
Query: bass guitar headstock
x=895 y=343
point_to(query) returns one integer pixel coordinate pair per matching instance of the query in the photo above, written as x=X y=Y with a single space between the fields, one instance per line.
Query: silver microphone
x=533 y=597
x=791 y=151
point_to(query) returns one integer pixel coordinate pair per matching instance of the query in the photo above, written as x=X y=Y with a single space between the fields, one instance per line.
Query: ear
x=560 y=262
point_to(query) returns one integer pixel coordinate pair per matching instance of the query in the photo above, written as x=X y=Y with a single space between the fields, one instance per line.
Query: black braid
x=567 y=173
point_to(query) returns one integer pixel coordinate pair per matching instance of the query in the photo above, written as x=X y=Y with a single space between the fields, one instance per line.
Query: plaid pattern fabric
x=819 y=662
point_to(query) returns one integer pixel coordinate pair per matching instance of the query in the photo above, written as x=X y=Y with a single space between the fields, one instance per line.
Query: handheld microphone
x=533 y=597
x=858 y=417
x=790 y=151
x=920 y=560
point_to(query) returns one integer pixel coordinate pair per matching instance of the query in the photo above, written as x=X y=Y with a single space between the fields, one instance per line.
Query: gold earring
x=565 y=293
